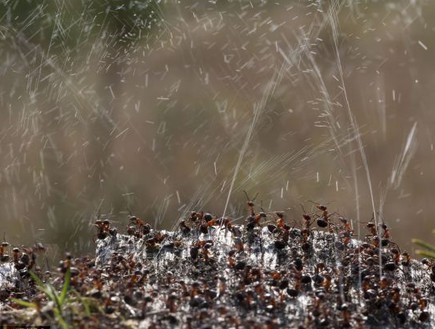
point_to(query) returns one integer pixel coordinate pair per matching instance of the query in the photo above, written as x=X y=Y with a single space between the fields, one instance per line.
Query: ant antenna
x=317 y=203
x=261 y=205
x=303 y=209
x=247 y=196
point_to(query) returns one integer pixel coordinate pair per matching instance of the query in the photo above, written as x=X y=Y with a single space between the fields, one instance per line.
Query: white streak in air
x=422 y=45
x=122 y=132
x=223 y=185
x=178 y=196
x=401 y=164
x=381 y=105
x=333 y=19
x=258 y=109
x=111 y=92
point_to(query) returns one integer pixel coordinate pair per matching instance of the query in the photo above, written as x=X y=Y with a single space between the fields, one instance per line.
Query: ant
x=431 y=266
x=253 y=219
x=307 y=219
x=306 y=229
x=386 y=231
x=4 y=257
x=195 y=216
x=346 y=315
x=347 y=231
x=406 y=259
x=136 y=221
x=184 y=228
x=280 y=222
x=250 y=203
x=372 y=229
x=223 y=221
x=103 y=228
x=138 y=226
x=386 y=236
x=16 y=255
x=323 y=219
x=346 y=224
x=395 y=255
x=327 y=282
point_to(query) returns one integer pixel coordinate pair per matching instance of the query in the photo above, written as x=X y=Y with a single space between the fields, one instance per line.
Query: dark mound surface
x=210 y=273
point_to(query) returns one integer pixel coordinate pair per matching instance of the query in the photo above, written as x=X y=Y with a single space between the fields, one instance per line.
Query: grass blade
x=425 y=253
x=65 y=288
x=24 y=303
x=424 y=245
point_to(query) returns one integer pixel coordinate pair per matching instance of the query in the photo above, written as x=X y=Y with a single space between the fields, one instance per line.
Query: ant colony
x=269 y=270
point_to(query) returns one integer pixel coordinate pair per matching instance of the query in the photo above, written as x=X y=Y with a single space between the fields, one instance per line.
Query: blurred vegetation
x=59 y=299
x=428 y=249
x=114 y=107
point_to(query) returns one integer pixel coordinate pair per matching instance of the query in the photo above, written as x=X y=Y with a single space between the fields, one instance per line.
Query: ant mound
x=210 y=273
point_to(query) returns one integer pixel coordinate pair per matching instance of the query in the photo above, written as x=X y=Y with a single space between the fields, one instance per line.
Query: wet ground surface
x=209 y=273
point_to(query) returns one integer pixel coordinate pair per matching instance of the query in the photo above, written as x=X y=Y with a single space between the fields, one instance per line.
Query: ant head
x=321 y=207
x=280 y=214
x=343 y=220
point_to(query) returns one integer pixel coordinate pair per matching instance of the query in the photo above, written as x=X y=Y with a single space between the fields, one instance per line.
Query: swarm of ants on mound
x=211 y=273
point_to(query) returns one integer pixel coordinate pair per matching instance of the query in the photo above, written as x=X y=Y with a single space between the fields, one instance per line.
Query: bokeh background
x=155 y=108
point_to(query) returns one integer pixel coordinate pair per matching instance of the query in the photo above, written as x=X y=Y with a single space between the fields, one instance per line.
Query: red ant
x=280 y=222
x=323 y=219
x=250 y=203
x=431 y=266
x=307 y=219
x=254 y=219
x=395 y=255
x=103 y=227
x=136 y=221
x=347 y=231
x=346 y=225
x=386 y=236
x=4 y=257
x=406 y=259
x=372 y=229
x=386 y=231
x=184 y=228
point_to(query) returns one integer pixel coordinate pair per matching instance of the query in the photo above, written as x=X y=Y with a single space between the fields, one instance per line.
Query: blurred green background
x=114 y=107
